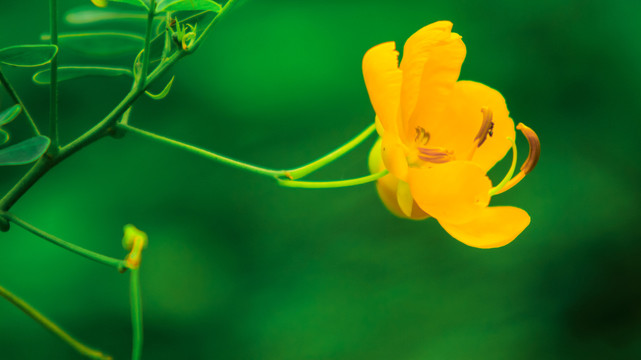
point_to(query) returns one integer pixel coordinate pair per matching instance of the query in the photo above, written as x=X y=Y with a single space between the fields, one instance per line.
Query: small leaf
x=100 y=43
x=164 y=91
x=24 y=152
x=193 y=5
x=28 y=55
x=84 y=15
x=4 y=136
x=9 y=114
x=72 y=72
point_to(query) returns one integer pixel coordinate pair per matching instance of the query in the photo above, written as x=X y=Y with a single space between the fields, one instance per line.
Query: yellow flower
x=440 y=136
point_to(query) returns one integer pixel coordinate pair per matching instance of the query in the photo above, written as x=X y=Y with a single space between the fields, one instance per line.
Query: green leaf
x=180 y=5
x=100 y=43
x=164 y=91
x=28 y=55
x=72 y=72
x=24 y=152
x=84 y=15
x=9 y=114
x=4 y=136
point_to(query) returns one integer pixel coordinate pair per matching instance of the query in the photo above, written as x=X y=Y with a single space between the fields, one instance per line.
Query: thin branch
x=136 y=314
x=14 y=95
x=52 y=327
x=105 y=260
x=53 y=101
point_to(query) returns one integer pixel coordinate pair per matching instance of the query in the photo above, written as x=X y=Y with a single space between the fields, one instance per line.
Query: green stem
x=332 y=184
x=222 y=11
x=136 y=314
x=315 y=165
x=106 y=260
x=53 y=101
x=292 y=174
x=14 y=95
x=51 y=326
x=147 y=50
x=204 y=153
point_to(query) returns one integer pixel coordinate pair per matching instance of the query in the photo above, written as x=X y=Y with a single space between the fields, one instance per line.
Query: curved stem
x=291 y=174
x=51 y=326
x=14 y=95
x=204 y=153
x=136 y=314
x=53 y=100
x=317 y=164
x=332 y=184
x=105 y=260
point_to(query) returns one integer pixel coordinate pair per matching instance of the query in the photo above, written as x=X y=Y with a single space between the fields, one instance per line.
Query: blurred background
x=240 y=268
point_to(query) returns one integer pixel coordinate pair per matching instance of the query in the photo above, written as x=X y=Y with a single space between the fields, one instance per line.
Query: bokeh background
x=240 y=268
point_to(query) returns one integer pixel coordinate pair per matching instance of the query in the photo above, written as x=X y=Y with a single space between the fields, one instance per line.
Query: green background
x=240 y=268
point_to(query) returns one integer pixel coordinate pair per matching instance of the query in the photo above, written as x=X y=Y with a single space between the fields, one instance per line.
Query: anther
x=422 y=136
x=487 y=126
x=435 y=155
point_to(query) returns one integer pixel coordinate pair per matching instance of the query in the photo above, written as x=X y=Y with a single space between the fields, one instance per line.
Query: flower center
x=436 y=155
x=440 y=155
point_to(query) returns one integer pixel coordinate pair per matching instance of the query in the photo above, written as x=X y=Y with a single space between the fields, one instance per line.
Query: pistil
x=532 y=158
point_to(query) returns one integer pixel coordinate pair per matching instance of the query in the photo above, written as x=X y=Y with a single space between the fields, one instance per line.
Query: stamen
x=487 y=126
x=422 y=136
x=532 y=157
x=435 y=155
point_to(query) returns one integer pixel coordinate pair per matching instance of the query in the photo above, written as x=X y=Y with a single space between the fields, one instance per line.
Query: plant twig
x=296 y=173
x=202 y=152
x=51 y=326
x=14 y=95
x=136 y=314
x=332 y=184
x=105 y=260
x=53 y=100
x=147 y=47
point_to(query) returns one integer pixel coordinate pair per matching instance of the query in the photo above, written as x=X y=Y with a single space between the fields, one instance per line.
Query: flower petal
x=383 y=81
x=494 y=227
x=394 y=157
x=455 y=192
x=431 y=64
x=462 y=121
